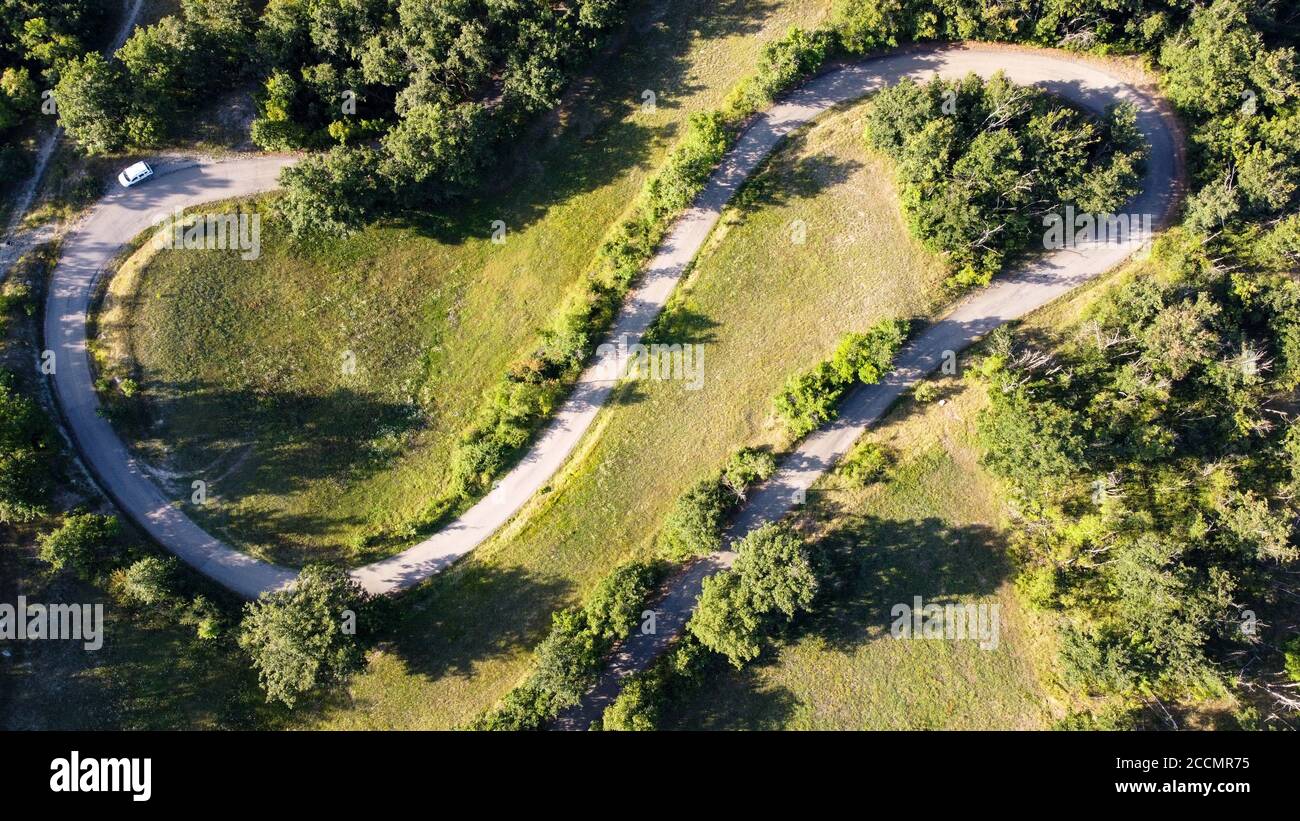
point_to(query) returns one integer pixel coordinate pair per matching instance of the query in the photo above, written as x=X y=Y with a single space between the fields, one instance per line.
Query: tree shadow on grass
x=875 y=563
x=869 y=564
x=682 y=324
x=786 y=178
x=474 y=612
x=732 y=699
x=246 y=444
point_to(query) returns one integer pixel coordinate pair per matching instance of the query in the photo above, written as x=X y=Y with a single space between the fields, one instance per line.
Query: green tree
x=91 y=103
x=725 y=620
x=568 y=658
x=82 y=543
x=298 y=638
x=437 y=149
x=809 y=399
x=615 y=606
x=773 y=576
x=18 y=90
x=866 y=357
x=1291 y=658
x=332 y=193
x=745 y=467
x=694 y=526
x=148 y=581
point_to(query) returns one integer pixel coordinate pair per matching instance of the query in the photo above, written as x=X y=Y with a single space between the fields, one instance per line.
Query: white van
x=136 y=173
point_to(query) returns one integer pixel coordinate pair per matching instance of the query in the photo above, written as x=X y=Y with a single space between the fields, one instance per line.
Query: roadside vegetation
x=981 y=164
x=471 y=632
x=461 y=345
x=929 y=526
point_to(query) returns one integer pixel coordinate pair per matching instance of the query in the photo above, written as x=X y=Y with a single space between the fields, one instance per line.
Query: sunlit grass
x=762 y=306
x=241 y=363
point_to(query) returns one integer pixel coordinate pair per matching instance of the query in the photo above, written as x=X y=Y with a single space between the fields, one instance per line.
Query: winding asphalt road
x=123 y=214
x=1011 y=296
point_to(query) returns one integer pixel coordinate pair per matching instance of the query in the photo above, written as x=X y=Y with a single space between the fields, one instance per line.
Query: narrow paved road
x=116 y=219
x=123 y=214
x=1012 y=295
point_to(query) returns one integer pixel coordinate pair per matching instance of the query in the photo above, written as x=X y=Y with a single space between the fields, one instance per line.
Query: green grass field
x=934 y=528
x=241 y=364
x=762 y=306
x=931 y=530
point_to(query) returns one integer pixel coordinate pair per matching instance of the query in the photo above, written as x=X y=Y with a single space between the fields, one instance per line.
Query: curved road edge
x=1009 y=297
x=123 y=214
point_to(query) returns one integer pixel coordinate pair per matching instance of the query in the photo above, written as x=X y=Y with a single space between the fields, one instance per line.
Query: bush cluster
x=26 y=444
x=694 y=526
x=569 y=659
x=39 y=40
x=1154 y=490
x=808 y=400
x=772 y=580
x=981 y=163
x=309 y=636
x=868 y=462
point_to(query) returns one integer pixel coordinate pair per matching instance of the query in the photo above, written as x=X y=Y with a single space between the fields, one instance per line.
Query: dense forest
x=408 y=98
x=37 y=39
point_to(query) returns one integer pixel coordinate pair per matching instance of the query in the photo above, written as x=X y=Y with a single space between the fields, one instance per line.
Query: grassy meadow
x=932 y=529
x=762 y=306
x=320 y=388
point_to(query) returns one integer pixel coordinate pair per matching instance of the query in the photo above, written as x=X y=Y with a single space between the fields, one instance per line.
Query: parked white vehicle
x=134 y=174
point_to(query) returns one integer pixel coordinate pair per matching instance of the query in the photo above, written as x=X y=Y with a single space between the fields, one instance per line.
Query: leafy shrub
x=568 y=658
x=296 y=637
x=640 y=704
x=868 y=462
x=925 y=391
x=865 y=357
x=204 y=617
x=809 y=399
x=615 y=606
x=981 y=163
x=330 y=194
x=871 y=25
x=92 y=104
x=147 y=581
x=694 y=527
x=783 y=64
x=773 y=576
x=526 y=707
x=82 y=543
x=688 y=165
x=746 y=467
x=1291 y=658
